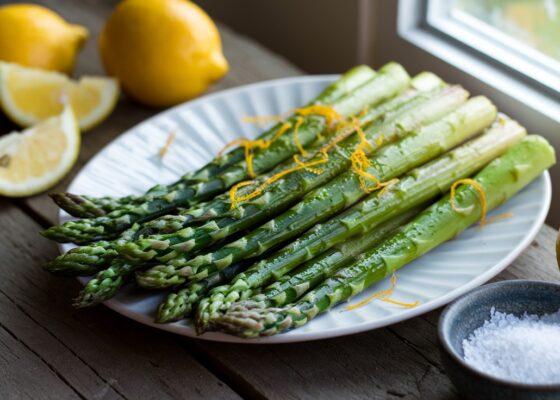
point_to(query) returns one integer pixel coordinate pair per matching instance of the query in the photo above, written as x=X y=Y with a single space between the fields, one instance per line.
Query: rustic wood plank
x=99 y=353
x=374 y=365
x=249 y=62
x=25 y=375
x=538 y=262
x=59 y=359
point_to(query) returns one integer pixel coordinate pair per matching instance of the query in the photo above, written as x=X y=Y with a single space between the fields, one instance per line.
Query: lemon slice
x=37 y=158
x=29 y=95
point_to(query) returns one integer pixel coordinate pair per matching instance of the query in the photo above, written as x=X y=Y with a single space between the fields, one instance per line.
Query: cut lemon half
x=35 y=159
x=30 y=95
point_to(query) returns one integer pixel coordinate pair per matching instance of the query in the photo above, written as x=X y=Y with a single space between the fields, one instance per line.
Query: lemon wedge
x=37 y=158
x=29 y=95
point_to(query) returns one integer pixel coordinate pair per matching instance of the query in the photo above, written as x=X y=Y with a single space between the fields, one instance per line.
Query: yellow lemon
x=162 y=51
x=37 y=158
x=29 y=95
x=35 y=36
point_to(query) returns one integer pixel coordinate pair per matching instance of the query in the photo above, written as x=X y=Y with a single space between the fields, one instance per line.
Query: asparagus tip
x=76 y=205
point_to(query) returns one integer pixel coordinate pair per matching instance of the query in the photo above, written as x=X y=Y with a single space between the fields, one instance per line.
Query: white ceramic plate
x=130 y=164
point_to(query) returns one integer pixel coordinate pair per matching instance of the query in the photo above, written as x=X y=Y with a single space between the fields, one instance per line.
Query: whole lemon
x=35 y=36
x=162 y=51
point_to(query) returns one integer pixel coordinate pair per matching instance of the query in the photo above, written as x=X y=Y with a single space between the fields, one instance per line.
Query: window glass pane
x=533 y=22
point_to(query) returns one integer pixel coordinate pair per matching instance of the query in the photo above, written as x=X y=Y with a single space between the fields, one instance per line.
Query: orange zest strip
x=235 y=200
x=239 y=141
x=481 y=195
x=283 y=129
x=360 y=162
x=328 y=112
x=387 y=185
x=369 y=299
x=170 y=139
x=163 y=151
x=363 y=140
x=384 y=295
x=400 y=303
x=234 y=189
x=346 y=131
x=299 y=121
x=306 y=166
x=497 y=218
x=249 y=145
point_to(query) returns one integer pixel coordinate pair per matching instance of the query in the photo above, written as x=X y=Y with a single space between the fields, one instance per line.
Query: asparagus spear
x=441 y=222
x=179 y=304
x=446 y=101
x=87 y=260
x=292 y=286
x=104 y=284
x=91 y=207
x=324 y=202
x=415 y=188
x=221 y=204
x=424 y=82
x=391 y=80
x=284 y=193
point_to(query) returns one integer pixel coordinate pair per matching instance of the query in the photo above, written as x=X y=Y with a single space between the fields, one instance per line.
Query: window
x=511 y=46
x=523 y=35
x=534 y=23
x=508 y=50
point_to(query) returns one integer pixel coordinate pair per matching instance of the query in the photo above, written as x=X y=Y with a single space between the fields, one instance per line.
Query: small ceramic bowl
x=469 y=312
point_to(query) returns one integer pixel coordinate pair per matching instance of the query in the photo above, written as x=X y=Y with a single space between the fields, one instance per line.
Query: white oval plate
x=130 y=164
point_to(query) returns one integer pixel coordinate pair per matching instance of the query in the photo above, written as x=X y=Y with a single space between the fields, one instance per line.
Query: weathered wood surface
x=50 y=351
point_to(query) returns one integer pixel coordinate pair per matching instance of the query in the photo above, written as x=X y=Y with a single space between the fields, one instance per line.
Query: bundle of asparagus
x=325 y=203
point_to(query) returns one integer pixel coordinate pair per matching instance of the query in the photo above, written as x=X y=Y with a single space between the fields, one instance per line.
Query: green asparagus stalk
x=221 y=204
x=292 y=286
x=179 y=304
x=93 y=258
x=425 y=80
x=441 y=222
x=285 y=193
x=87 y=260
x=326 y=201
x=453 y=96
x=90 y=207
x=391 y=80
x=104 y=285
x=417 y=187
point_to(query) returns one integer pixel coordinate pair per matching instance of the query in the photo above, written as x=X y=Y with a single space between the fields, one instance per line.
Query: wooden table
x=51 y=351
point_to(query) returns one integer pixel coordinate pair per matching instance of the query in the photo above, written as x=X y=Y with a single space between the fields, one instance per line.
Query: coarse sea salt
x=523 y=349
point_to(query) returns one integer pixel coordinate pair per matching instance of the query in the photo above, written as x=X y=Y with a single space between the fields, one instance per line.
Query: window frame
x=423 y=23
x=493 y=44
x=421 y=47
